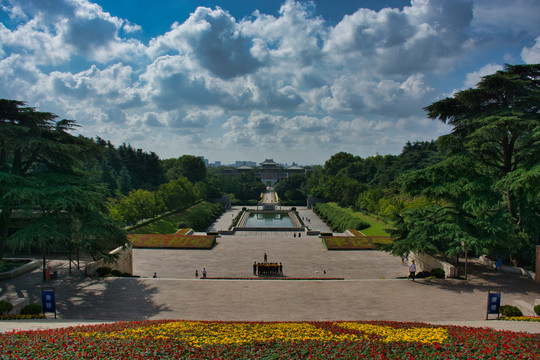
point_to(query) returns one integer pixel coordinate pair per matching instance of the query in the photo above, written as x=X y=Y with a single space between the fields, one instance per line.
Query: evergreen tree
x=41 y=180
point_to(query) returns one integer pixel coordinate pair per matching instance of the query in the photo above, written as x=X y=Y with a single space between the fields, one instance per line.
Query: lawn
x=171 y=339
x=377 y=227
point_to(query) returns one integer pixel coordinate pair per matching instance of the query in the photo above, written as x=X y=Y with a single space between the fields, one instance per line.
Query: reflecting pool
x=268 y=220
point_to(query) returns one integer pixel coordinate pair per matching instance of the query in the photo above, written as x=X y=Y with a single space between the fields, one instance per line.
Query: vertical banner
x=494 y=302
x=48 y=301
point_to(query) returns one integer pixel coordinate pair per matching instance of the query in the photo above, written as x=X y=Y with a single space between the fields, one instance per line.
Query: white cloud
x=531 y=55
x=474 y=78
x=287 y=82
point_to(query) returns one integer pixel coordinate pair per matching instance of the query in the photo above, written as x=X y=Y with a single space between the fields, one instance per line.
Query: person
x=155 y=275
x=294 y=234
x=265 y=257
x=498 y=264
x=254 y=268
x=196 y=274
x=412 y=270
x=204 y=273
x=299 y=235
x=280 y=269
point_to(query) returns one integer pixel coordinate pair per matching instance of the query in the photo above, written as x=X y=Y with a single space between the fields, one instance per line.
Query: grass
x=377 y=227
x=10 y=265
x=167 y=224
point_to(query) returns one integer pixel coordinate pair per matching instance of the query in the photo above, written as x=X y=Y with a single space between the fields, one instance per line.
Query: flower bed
x=273 y=278
x=249 y=340
x=172 y=241
x=354 y=243
x=521 y=318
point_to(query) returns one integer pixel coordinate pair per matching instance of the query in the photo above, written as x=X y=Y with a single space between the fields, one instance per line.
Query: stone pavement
x=369 y=291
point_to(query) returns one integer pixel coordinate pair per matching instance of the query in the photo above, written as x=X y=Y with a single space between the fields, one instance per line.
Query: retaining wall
x=426 y=262
x=123 y=263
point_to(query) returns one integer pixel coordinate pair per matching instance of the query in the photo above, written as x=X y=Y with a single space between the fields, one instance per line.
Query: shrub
x=438 y=273
x=116 y=273
x=423 y=274
x=31 y=309
x=5 y=307
x=537 y=310
x=103 y=271
x=126 y=274
x=510 y=310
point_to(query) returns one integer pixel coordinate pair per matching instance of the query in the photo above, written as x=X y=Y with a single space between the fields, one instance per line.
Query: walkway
x=370 y=290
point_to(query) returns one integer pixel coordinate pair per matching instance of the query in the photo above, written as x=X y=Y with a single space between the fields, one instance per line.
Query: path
x=363 y=295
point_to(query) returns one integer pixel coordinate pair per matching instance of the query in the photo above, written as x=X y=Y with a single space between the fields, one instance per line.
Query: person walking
x=265 y=257
x=204 y=273
x=254 y=268
x=412 y=270
x=196 y=274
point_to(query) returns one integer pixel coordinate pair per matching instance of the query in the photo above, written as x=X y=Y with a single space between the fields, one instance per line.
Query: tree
x=337 y=162
x=176 y=194
x=42 y=182
x=490 y=176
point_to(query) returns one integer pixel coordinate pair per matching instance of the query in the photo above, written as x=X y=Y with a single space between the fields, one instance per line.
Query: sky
x=295 y=81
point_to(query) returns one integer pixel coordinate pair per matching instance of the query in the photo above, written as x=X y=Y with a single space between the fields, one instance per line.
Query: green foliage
x=510 y=310
x=125 y=168
x=438 y=273
x=5 y=307
x=191 y=167
x=537 y=310
x=198 y=217
x=10 y=265
x=117 y=273
x=103 y=271
x=42 y=180
x=338 y=219
x=31 y=309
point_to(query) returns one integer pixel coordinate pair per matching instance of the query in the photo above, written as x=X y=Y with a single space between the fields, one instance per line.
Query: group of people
x=203 y=274
x=267 y=269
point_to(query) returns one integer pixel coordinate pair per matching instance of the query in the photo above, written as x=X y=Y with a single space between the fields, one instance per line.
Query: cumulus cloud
x=474 y=78
x=531 y=55
x=288 y=81
x=424 y=36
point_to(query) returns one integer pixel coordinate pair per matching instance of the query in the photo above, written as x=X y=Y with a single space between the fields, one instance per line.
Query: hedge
x=338 y=219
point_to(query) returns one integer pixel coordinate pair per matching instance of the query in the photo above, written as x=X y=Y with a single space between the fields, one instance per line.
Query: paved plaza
x=370 y=289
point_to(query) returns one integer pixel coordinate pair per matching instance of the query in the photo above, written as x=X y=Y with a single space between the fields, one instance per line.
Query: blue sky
x=296 y=81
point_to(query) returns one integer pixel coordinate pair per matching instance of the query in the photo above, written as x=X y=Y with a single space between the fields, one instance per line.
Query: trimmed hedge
x=338 y=219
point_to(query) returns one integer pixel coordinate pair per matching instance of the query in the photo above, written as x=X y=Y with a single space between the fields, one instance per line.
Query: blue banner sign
x=47 y=301
x=494 y=303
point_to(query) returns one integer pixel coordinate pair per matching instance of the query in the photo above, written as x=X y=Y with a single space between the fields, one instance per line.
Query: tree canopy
x=46 y=199
x=488 y=182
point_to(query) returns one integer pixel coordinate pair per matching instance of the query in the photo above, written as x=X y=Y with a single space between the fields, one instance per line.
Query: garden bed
x=269 y=340
x=172 y=241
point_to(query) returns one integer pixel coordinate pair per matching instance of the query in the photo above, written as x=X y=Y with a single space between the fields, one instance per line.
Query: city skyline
x=296 y=81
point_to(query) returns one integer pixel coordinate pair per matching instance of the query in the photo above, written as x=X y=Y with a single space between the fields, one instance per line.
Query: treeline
x=124 y=168
x=370 y=185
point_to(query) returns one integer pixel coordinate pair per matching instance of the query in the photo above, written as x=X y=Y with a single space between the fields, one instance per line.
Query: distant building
x=270 y=172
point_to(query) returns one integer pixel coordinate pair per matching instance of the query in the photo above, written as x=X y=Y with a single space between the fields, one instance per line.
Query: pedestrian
x=294 y=234
x=204 y=273
x=265 y=257
x=299 y=235
x=412 y=270
x=196 y=274
x=499 y=263
x=254 y=268
x=155 y=276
